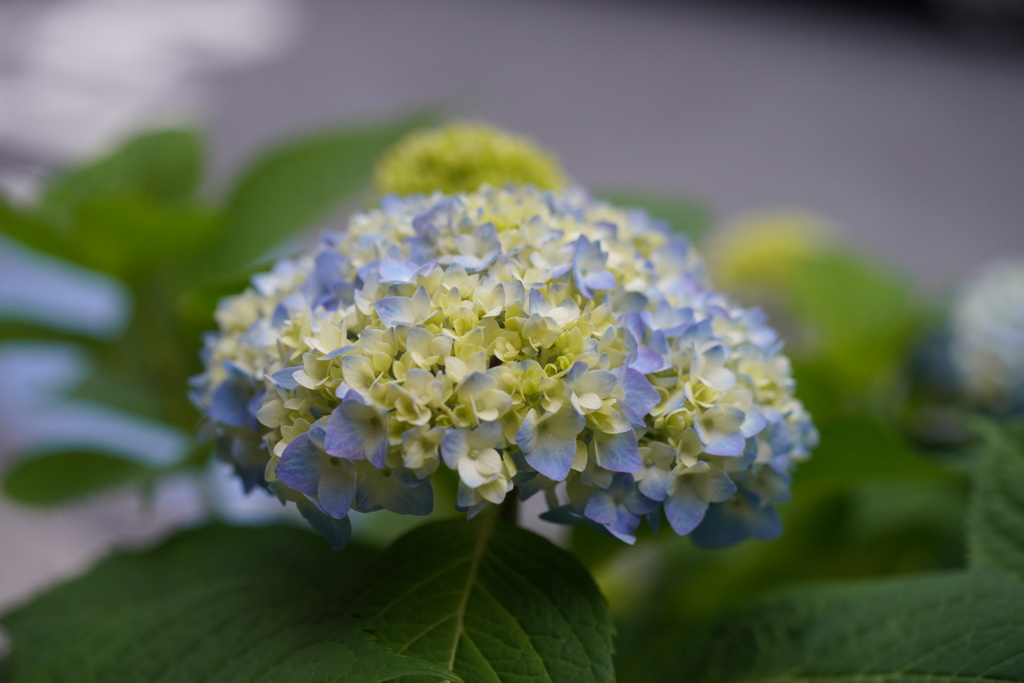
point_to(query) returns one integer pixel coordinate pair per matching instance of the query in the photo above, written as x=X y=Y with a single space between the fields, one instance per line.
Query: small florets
x=527 y=341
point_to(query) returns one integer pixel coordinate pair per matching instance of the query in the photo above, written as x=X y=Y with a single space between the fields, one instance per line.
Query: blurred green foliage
x=139 y=216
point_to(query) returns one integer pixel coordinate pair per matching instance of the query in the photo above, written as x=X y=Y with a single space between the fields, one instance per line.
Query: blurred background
x=898 y=123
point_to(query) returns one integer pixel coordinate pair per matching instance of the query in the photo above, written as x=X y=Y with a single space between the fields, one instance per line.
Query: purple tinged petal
x=684 y=509
x=393 y=270
x=301 y=465
x=553 y=457
x=647 y=360
x=395 y=310
x=550 y=442
x=641 y=396
x=357 y=431
x=454 y=447
x=338 y=532
x=285 y=378
x=601 y=507
x=229 y=403
x=620 y=453
x=337 y=488
x=656 y=483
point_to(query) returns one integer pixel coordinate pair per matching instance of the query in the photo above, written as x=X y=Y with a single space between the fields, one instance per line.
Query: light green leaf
x=995 y=527
x=490 y=601
x=32 y=233
x=218 y=604
x=862 y=318
x=164 y=166
x=858 y=449
x=934 y=629
x=65 y=476
x=689 y=217
x=129 y=235
x=293 y=187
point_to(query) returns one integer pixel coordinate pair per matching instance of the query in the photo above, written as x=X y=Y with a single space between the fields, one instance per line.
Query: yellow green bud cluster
x=460 y=157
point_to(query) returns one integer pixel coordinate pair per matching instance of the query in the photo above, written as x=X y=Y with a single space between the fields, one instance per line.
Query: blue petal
x=727 y=445
x=337 y=488
x=729 y=523
x=641 y=396
x=301 y=465
x=553 y=457
x=357 y=439
x=336 y=531
x=377 y=490
x=684 y=509
x=395 y=310
x=601 y=507
x=620 y=453
x=286 y=378
x=229 y=403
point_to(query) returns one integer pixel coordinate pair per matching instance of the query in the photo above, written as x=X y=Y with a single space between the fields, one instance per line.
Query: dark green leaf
x=944 y=628
x=490 y=601
x=64 y=476
x=218 y=604
x=995 y=529
x=22 y=330
x=163 y=166
x=684 y=215
x=293 y=187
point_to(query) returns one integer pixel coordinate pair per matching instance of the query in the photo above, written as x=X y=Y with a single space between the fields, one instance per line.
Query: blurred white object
x=77 y=74
x=988 y=336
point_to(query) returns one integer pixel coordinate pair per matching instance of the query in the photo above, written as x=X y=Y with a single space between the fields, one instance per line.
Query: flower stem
x=510 y=509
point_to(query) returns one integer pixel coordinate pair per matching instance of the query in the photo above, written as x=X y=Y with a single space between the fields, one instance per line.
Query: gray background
x=901 y=133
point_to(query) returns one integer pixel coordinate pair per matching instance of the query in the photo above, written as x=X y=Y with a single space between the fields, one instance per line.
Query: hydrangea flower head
x=460 y=157
x=988 y=337
x=523 y=341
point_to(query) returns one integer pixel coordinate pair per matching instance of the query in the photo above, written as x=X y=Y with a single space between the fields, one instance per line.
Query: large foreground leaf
x=934 y=629
x=217 y=604
x=490 y=601
x=995 y=528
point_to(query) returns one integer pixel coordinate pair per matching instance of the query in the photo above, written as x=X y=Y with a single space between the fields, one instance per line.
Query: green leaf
x=32 y=233
x=862 y=318
x=20 y=330
x=995 y=527
x=129 y=234
x=490 y=601
x=293 y=187
x=218 y=604
x=164 y=166
x=684 y=215
x=65 y=476
x=858 y=449
x=964 y=626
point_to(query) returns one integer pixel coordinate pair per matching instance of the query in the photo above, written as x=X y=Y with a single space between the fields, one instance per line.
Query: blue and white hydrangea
x=523 y=340
x=988 y=337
